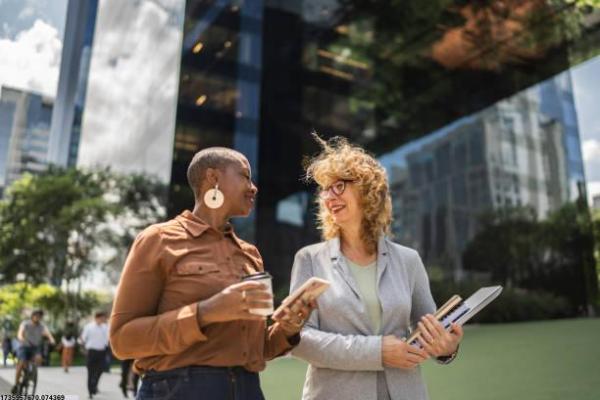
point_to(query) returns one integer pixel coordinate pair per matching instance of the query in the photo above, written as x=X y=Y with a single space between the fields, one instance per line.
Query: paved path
x=53 y=380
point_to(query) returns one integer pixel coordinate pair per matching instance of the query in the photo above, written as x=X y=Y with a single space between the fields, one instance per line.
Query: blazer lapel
x=383 y=258
x=339 y=264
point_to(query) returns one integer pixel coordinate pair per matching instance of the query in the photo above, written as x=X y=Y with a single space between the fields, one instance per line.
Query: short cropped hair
x=212 y=157
x=339 y=159
x=100 y=314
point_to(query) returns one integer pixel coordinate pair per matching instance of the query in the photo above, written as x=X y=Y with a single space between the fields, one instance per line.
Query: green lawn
x=550 y=360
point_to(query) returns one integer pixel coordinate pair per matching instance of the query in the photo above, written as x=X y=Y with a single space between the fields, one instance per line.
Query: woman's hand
x=233 y=303
x=397 y=353
x=436 y=340
x=295 y=316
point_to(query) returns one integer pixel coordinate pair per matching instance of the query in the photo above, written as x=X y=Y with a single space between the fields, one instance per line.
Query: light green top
x=366 y=279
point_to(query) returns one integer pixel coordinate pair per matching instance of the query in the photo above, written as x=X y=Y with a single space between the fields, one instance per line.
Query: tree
x=423 y=64
x=17 y=300
x=48 y=225
x=56 y=227
x=554 y=255
x=507 y=246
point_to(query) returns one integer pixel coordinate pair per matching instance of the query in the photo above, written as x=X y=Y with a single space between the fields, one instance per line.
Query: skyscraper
x=24 y=129
x=65 y=131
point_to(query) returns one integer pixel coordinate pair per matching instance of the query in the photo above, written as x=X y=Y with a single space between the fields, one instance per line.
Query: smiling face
x=342 y=200
x=235 y=181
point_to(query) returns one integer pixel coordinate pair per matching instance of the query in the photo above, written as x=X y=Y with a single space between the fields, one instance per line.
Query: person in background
x=128 y=375
x=31 y=334
x=94 y=338
x=46 y=350
x=6 y=348
x=68 y=342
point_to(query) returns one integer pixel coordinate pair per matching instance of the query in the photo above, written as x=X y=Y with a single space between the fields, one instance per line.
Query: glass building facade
x=469 y=106
x=24 y=133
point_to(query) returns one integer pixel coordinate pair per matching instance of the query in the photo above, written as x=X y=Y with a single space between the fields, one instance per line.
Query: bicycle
x=28 y=381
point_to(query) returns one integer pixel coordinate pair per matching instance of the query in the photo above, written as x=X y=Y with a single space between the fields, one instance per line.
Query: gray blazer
x=338 y=341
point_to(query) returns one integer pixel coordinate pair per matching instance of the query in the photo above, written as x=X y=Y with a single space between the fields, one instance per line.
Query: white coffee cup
x=266 y=279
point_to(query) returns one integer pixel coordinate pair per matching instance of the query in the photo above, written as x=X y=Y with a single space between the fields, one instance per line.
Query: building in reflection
x=461 y=132
x=36 y=130
x=65 y=131
x=516 y=153
x=24 y=132
x=596 y=202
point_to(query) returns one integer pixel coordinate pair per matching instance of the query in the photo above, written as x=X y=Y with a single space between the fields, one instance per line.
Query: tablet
x=462 y=311
x=310 y=290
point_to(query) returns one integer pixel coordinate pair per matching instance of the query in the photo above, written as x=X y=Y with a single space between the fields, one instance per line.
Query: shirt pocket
x=197 y=268
x=196 y=278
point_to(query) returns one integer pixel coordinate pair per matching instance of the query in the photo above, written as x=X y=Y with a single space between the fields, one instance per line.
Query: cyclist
x=30 y=335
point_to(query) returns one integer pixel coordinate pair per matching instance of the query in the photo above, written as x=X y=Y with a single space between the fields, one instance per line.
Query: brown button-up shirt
x=172 y=266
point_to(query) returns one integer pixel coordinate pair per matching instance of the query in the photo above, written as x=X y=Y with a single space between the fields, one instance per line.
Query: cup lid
x=257 y=276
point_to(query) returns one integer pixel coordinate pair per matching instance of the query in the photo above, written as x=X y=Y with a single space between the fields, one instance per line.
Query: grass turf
x=548 y=360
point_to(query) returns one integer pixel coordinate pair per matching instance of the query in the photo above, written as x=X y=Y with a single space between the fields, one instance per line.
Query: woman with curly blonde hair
x=378 y=289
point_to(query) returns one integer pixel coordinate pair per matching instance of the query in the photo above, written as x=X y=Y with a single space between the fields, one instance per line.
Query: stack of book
x=455 y=310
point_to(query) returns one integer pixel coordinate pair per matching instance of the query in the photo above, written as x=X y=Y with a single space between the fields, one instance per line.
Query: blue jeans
x=210 y=383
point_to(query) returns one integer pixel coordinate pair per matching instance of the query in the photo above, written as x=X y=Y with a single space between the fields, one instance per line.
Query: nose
x=253 y=188
x=327 y=194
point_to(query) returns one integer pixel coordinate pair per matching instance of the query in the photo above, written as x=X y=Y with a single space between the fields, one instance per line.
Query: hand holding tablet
x=309 y=291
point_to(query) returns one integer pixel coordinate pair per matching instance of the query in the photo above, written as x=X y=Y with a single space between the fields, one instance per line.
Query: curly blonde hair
x=339 y=159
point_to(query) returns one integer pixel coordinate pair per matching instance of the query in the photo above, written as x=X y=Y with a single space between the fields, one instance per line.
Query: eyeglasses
x=337 y=188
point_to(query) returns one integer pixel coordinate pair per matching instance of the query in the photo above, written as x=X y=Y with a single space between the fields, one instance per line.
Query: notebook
x=458 y=311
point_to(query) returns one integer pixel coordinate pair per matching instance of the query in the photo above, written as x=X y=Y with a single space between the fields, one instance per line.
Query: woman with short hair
x=183 y=310
x=378 y=289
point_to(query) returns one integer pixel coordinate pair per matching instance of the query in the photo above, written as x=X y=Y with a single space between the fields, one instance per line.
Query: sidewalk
x=53 y=380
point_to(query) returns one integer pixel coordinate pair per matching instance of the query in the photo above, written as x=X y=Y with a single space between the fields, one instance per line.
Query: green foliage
x=53 y=225
x=424 y=63
x=48 y=225
x=553 y=256
x=17 y=300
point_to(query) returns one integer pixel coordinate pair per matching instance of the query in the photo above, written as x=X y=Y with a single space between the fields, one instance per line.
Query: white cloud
x=32 y=60
x=593 y=189
x=130 y=107
x=591 y=156
x=591 y=150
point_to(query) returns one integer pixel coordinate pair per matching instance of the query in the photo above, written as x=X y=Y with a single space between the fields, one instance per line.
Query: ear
x=212 y=176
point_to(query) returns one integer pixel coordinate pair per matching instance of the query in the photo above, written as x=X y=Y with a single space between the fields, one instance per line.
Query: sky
x=586 y=87
x=138 y=41
x=133 y=76
x=31 y=34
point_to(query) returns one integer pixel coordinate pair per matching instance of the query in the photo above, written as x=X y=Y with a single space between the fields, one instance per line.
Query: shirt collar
x=196 y=226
